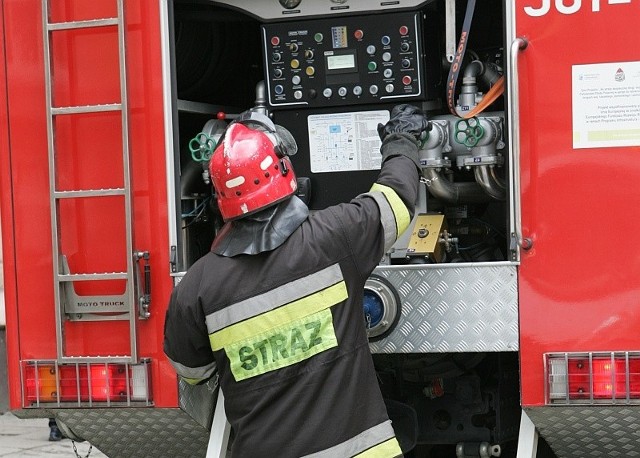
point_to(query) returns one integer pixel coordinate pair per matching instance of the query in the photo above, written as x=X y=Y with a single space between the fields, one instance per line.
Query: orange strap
x=496 y=91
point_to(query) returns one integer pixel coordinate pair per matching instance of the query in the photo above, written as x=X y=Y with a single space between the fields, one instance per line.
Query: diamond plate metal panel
x=138 y=432
x=453 y=308
x=589 y=431
x=157 y=432
x=199 y=401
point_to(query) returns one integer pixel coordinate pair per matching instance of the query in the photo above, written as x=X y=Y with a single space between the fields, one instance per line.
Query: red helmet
x=250 y=168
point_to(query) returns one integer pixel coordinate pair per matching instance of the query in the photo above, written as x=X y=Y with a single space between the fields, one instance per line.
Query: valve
x=468 y=132
x=201 y=147
x=448 y=241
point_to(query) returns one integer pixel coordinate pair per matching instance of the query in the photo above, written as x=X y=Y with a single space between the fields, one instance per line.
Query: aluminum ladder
x=123 y=307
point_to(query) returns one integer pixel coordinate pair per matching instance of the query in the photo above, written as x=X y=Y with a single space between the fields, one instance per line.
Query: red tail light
x=46 y=382
x=594 y=377
x=108 y=382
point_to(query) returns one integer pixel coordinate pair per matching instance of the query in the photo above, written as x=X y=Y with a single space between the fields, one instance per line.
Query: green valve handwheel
x=469 y=132
x=201 y=147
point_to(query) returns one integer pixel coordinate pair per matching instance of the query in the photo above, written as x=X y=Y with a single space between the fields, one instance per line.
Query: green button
x=372 y=66
x=318 y=37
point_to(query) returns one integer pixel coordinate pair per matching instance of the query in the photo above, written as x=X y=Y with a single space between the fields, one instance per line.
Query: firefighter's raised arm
x=373 y=229
x=401 y=137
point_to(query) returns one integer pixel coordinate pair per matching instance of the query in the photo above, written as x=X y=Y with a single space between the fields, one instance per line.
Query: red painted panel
x=89 y=146
x=8 y=246
x=580 y=284
x=89 y=151
x=74 y=10
x=149 y=174
x=85 y=66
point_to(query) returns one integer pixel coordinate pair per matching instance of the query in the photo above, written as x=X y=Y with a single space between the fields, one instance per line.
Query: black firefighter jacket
x=285 y=329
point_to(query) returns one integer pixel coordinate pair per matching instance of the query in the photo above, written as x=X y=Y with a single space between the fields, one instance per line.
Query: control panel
x=346 y=60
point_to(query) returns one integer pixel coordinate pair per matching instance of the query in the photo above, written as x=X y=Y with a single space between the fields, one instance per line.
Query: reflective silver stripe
x=275 y=298
x=400 y=210
x=201 y=372
x=387 y=218
x=358 y=444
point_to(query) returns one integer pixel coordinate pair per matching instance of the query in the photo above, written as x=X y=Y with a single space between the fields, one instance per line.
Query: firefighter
x=276 y=306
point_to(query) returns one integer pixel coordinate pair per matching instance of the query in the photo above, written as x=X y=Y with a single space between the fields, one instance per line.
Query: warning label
x=606 y=105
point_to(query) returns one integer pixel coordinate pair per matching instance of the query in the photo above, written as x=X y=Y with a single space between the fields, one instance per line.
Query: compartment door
x=579 y=96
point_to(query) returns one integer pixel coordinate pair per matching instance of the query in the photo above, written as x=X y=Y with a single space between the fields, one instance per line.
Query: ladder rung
x=86 y=109
x=96 y=276
x=83 y=24
x=89 y=193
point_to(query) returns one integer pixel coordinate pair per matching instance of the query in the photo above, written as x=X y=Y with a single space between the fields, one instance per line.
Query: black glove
x=406 y=119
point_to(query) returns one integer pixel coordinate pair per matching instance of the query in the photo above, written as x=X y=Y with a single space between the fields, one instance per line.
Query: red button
x=358 y=34
x=406 y=80
x=275 y=41
x=404 y=30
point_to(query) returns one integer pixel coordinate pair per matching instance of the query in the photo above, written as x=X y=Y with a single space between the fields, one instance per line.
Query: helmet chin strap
x=263 y=231
x=283 y=167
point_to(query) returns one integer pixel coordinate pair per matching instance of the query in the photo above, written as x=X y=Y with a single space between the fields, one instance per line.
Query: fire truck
x=501 y=316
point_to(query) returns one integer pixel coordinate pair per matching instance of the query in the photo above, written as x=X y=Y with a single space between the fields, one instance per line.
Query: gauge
x=289 y=4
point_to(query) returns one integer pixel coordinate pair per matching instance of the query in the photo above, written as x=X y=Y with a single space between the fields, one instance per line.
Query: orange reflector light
x=85 y=383
x=40 y=382
x=593 y=377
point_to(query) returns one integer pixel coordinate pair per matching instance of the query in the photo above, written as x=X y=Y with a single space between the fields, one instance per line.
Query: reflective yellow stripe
x=388 y=449
x=279 y=317
x=192 y=381
x=400 y=210
x=284 y=346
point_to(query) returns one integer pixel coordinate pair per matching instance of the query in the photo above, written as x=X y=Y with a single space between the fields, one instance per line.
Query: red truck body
x=103 y=207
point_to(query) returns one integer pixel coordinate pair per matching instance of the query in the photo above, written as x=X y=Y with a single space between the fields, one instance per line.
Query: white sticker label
x=606 y=105
x=345 y=141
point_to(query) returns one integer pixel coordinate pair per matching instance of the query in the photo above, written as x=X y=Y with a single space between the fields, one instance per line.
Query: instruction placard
x=606 y=105
x=341 y=142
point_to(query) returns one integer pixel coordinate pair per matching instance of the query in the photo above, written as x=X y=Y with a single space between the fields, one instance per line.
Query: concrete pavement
x=30 y=438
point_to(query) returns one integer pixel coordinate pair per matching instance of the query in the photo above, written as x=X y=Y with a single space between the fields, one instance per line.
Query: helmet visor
x=287 y=141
